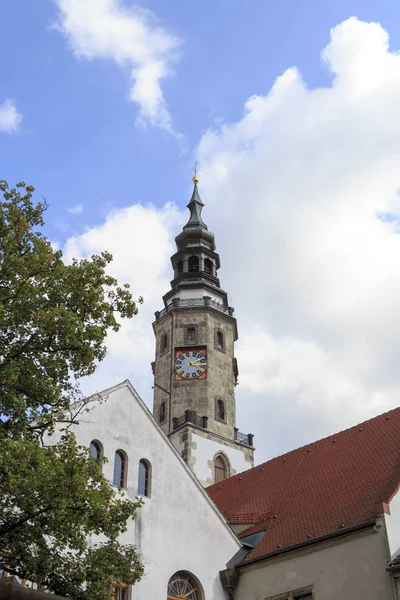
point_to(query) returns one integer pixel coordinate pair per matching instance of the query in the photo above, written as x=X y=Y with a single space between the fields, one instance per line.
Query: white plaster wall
x=178 y=528
x=206 y=450
x=392 y=522
x=352 y=569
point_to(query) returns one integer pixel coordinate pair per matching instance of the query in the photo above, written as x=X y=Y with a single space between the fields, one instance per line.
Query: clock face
x=190 y=365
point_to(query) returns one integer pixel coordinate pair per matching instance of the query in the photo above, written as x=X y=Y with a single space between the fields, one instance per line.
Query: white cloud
x=76 y=210
x=303 y=196
x=10 y=118
x=130 y=37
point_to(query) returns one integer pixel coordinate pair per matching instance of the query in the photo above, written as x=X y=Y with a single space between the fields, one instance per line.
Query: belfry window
x=208 y=266
x=220 y=410
x=193 y=264
x=179 y=266
x=144 y=478
x=163 y=412
x=220 y=469
x=119 y=477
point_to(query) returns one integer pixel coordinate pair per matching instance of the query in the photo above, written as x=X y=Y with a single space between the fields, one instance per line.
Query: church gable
x=178 y=527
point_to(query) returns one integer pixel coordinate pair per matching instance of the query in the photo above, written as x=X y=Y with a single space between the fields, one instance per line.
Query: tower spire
x=195 y=206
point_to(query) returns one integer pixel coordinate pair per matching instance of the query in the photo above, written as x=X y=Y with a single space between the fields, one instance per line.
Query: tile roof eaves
x=298 y=546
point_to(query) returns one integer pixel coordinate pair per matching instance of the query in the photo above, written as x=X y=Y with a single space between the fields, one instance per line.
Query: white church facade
x=181 y=537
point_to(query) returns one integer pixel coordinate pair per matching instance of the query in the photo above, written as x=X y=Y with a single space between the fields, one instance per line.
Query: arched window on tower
x=220 y=469
x=144 y=478
x=179 y=266
x=193 y=264
x=119 y=477
x=208 y=266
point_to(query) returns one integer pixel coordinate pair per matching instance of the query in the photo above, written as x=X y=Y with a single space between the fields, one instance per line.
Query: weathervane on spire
x=195 y=179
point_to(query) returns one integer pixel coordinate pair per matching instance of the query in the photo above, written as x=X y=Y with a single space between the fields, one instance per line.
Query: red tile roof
x=322 y=488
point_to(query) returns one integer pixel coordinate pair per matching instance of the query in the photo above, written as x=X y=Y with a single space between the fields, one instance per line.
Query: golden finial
x=195 y=179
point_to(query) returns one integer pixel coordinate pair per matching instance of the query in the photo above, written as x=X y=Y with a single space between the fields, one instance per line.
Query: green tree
x=54 y=319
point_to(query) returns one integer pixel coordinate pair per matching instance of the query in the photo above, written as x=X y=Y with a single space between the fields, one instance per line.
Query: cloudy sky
x=292 y=110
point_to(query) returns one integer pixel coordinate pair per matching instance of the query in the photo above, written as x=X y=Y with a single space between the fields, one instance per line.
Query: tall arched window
x=193 y=264
x=183 y=585
x=208 y=266
x=220 y=469
x=96 y=449
x=144 y=478
x=119 y=478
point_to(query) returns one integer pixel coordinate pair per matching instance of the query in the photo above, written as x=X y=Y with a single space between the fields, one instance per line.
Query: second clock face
x=190 y=364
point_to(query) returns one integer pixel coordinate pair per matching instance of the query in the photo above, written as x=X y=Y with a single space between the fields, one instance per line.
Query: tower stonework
x=195 y=371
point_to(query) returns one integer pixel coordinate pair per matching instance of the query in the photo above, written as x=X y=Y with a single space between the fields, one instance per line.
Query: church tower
x=195 y=371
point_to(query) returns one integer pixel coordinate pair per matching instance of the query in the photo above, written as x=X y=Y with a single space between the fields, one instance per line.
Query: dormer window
x=193 y=264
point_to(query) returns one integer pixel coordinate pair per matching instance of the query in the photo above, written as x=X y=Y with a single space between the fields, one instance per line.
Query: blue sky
x=78 y=143
x=299 y=166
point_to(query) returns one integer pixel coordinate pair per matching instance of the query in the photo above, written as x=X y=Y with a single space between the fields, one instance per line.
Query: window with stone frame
x=191 y=334
x=305 y=593
x=220 y=410
x=164 y=342
x=163 y=411
x=219 y=339
x=221 y=470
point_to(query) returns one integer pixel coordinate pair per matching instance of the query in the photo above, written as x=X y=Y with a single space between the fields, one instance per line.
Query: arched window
x=96 y=449
x=193 y=264
x=183 y=585
x=119 y=478
x=144 y=478
x=208 y=266
x=163 y=412
x=220 y=410
x=179 y=266
x=220 y=469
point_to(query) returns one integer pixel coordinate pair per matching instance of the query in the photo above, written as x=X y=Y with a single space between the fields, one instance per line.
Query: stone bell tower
x=195 y=371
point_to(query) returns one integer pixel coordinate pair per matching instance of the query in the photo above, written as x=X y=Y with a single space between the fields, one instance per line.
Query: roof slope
x=334 y=483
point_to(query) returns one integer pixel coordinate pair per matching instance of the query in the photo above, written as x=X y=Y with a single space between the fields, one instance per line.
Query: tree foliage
x=54 y=319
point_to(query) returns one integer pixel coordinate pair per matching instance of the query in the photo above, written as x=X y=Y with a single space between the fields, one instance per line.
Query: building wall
x=178 y=528
x=392 y=522
x=353 y=568
x=205 y=448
